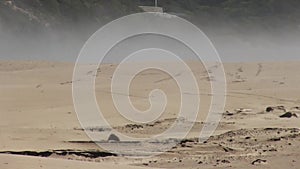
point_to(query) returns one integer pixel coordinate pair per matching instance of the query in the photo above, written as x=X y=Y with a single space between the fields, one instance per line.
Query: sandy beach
x=40 y=129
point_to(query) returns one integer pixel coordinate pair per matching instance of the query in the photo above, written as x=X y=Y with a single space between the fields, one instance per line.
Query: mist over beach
x=153 y=101
x=240 y=31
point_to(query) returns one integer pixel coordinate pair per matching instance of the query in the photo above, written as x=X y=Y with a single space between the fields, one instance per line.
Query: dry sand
x=40 y=129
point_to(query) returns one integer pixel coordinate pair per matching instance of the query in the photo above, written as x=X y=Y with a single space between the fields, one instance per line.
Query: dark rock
x=225 y=161
x=273 y=149
x=229 y=113
x=113 y=138
x=288 y=115
x=275 y=139
x=259 y=161
x=227 y=149
x=280 y=108
x=269 y=109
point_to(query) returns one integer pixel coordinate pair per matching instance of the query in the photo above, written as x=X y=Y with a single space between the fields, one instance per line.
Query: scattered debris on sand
x=276 y=108
x=78 y=153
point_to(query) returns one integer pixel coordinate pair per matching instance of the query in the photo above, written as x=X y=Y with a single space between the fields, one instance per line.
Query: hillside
x=71 y=22
x=33 y=15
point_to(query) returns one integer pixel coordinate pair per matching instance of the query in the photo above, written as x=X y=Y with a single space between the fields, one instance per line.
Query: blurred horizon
x=241 y=30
